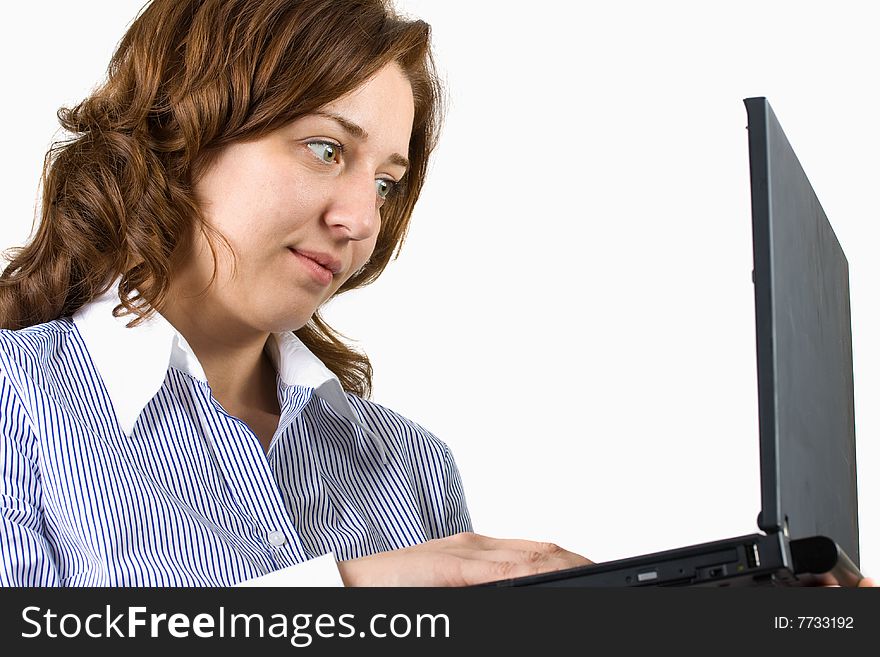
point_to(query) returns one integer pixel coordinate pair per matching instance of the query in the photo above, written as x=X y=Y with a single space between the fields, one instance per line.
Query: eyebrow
x=359 y=133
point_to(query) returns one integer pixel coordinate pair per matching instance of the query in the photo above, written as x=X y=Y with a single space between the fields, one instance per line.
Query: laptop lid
x=804 y=347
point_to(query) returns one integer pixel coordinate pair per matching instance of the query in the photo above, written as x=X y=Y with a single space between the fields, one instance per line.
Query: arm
x=455 y=507
x=26 y=557
x=462 y=558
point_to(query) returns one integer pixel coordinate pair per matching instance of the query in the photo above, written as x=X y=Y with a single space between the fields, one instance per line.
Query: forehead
x=383 y=106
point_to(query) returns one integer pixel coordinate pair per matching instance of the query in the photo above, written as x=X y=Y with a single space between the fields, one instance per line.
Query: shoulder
x=392 y=425
x=37 y=340
x=427 y=465
x=35 y=348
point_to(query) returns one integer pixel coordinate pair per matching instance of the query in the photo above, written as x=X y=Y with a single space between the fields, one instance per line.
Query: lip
x=324 y=259
x=318 y=273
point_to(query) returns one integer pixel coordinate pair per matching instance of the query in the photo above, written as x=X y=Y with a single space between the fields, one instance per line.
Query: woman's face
x=300 y=207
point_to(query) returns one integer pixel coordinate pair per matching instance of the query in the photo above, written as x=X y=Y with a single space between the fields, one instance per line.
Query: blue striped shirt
x=119 y=468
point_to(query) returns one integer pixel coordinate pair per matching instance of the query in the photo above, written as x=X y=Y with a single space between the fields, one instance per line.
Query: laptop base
x=753 y=560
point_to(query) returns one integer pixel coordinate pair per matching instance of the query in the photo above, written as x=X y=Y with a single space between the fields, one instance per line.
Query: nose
x=352 y=211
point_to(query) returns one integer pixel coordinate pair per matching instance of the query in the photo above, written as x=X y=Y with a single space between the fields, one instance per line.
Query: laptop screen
x=805 y=381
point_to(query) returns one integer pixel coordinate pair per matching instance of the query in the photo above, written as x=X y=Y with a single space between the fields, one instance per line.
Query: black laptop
x=808 y=522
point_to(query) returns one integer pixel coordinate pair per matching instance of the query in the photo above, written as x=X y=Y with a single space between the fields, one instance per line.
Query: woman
x=174 y=409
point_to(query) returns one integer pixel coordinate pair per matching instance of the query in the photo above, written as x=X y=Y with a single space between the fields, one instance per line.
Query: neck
x=233 y=356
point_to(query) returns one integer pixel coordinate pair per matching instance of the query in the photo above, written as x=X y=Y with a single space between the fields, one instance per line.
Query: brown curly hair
x=189 y=77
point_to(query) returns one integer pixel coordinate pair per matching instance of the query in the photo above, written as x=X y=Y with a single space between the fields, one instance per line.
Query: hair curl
x=189 y=77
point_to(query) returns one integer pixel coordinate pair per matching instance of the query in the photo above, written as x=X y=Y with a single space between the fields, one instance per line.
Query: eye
x=385 y=187
x=326 y=151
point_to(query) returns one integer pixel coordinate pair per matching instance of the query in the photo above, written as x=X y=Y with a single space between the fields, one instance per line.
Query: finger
x=545 y=560
x=867 y=581
x=481 y=571
x=477 y=571
x=472 y=540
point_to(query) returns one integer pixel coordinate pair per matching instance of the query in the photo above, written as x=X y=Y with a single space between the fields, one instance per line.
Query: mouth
x=320 y=268
x=325 y=260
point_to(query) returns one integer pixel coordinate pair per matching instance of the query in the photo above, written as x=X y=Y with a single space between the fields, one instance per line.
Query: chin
x=291 y=322
x=284 y=326
x=276 y=314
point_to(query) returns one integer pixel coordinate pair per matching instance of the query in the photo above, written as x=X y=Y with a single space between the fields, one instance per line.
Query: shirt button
x=277 y=538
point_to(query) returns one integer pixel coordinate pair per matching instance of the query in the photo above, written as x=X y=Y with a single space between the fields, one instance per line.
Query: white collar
x=133 y=361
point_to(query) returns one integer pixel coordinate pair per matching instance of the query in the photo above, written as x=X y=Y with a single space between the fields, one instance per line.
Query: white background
x=572 y=312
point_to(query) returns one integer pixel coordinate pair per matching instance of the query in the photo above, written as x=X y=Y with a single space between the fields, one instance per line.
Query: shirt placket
x=251 y=483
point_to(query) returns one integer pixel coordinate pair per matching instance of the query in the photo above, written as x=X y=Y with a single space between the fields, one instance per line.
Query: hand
x=459 y=560
x=865 y=582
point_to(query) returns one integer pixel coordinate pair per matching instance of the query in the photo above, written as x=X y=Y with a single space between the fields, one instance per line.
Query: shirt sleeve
x=26 y=557
x=455 y=507
x=321 y=571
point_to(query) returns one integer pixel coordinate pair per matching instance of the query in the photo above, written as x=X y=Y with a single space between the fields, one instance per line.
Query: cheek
x=362 y=252
x=251 y=199
x=260 y=218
